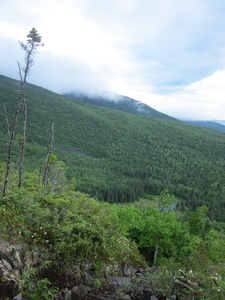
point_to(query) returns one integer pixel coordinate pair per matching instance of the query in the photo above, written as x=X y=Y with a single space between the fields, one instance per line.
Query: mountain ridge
x=120 y=102
x=130 y=105
x=126 y=155
x=208 y=124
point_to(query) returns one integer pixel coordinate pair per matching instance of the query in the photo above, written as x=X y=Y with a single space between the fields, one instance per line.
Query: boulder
x=18 y=297
x=88 y=279
x=83 y=290
x=119 y=280
x=10 y=270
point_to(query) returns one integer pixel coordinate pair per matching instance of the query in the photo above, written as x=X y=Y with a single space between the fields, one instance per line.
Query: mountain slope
x=220 y=122
x=122 y=103
x=118 y=156
x=207 y=124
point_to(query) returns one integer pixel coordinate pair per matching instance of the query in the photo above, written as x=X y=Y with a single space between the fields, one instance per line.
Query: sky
x=168 y=54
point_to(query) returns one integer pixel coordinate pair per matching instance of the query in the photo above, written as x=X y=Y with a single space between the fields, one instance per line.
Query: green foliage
x=154 y=229
x=11 y=223
x=161 y=282
x=30 y=48
x=97 y=284
x=216 y=240
x=198 y=221
x=70 y=224
x=19 y=139
x=173 y=235
x=117 y=156
x=74 y=227
x=165 y=200
x=41 y=290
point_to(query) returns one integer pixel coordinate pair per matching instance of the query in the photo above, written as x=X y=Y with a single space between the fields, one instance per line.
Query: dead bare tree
x=30 y=47
x=7 y=120
x=48 y=156
x=24 y=135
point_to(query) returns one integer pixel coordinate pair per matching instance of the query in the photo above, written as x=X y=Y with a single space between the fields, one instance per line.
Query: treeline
x=116 y=156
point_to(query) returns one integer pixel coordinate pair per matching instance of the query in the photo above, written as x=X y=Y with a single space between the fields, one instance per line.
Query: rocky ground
x=79 y=282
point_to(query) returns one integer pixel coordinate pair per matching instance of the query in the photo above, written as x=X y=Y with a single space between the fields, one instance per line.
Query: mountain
x=117 y=156
x=208 y=124
x=121 y=103
x=220 y=122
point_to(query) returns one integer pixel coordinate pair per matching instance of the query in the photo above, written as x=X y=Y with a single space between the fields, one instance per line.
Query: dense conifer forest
x=118 y=157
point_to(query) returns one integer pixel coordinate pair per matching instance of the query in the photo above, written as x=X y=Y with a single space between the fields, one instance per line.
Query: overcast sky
x=169 y=54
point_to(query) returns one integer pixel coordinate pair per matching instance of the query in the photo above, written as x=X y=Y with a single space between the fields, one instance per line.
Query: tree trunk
x=11 y=140
x=155 y=256
x=23 y=144
x=49 y=152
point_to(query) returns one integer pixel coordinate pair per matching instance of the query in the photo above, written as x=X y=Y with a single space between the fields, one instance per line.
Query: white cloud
x=169 y=54
x=202 y=100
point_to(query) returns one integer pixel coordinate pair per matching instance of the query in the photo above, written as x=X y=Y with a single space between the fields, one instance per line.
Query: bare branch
x=20 y=72
x=49 y=152
x=7 y=120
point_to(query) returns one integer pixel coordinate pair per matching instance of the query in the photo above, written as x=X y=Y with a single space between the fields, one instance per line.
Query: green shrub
x=68 y=223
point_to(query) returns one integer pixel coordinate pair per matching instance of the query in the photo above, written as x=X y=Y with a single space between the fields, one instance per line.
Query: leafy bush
x=70 y=224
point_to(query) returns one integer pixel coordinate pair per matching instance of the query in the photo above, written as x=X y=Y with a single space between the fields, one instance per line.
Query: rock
x=88 y=279
x=10 y=254
x=10 y=270
x=65 y=294
x=120 y=280
x=153 y=297
x=140 y=275
x=147 y=290
x=18 y=297
x=75 y=296
x=126 y=297
x=111 y=269
x=154 y=269
x=141 y=270
x=74 y=289
x=68 y=295
x=9 y=287
x=83 y=290
x=86 y=266
x=128 y=271
x=5 y=265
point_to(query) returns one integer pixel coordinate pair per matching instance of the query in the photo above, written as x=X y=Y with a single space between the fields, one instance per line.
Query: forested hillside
x=207 y=124
x=117 y=156
x=121 y=103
